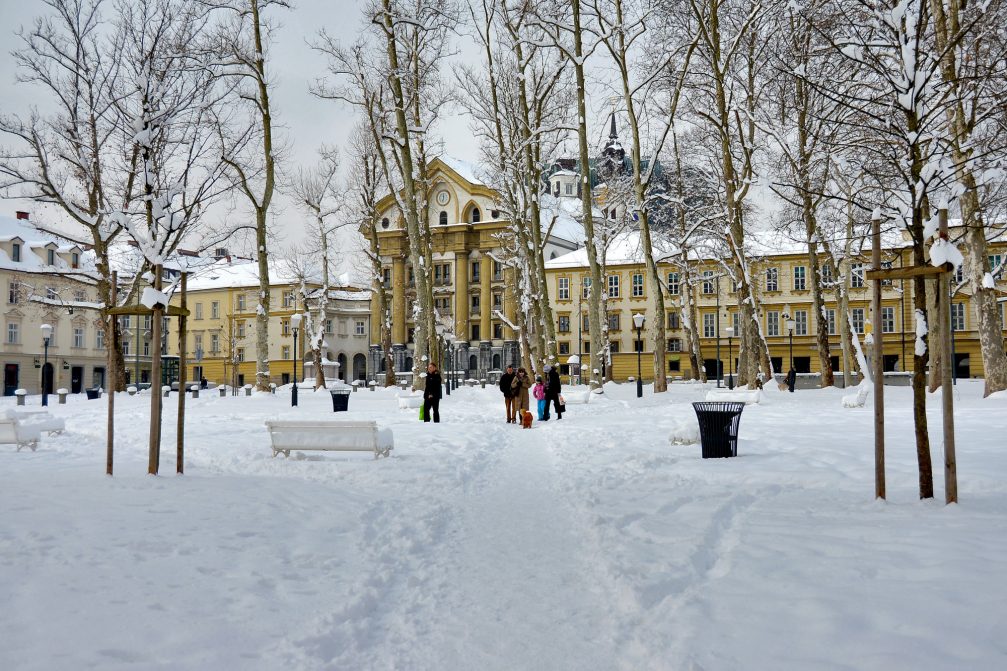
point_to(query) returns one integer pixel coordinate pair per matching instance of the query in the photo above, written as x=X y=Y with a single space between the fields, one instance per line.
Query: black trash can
x=93 y=394
x=340 y=400
x=718 y=427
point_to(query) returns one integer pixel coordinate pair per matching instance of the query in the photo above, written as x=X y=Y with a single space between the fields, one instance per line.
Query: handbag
x=562 y=403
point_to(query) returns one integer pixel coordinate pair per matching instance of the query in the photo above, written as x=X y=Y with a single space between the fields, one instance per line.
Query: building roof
x=236 y=274
x=32 y=238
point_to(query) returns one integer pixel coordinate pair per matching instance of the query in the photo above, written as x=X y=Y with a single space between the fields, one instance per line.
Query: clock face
x=443 y=197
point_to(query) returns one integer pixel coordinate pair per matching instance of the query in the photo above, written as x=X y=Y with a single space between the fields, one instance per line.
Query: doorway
x=10 y=378
x=98 y=378
x=962 y=365
x=76 y=379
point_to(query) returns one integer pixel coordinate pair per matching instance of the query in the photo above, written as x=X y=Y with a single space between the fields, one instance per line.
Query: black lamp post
x=638 y=320
x=295 y=322
x=730 y=359
x=790 y=328
x=46 y=335
x=449 y=364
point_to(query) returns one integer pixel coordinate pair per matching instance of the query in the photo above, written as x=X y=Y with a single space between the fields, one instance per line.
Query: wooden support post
x=180 y=425
x=878 y=365
x=110 y=383
x=154 y=452
x=947 y=397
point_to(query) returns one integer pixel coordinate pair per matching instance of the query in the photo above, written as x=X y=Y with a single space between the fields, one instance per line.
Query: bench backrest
x=8 y=431
x=307 y=434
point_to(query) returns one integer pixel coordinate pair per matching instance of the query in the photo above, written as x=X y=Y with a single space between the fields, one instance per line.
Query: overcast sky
x=307 y=121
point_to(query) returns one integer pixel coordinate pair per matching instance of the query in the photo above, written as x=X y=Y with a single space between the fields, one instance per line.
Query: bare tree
x=250 y=149
x=316 y=190
x=70 y=158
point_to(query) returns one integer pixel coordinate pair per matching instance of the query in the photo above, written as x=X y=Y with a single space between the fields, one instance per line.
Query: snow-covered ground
x=587 y=543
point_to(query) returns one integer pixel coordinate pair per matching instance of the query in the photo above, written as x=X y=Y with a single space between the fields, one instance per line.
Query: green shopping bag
x=421 y=413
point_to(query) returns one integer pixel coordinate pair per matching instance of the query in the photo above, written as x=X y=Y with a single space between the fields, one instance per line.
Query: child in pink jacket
x=538 y=391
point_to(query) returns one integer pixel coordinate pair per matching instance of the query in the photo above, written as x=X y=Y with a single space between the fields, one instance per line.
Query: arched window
x=496 y=362
x=384 y=223
x=443 y=218
x=473 y=362
x=475 y=215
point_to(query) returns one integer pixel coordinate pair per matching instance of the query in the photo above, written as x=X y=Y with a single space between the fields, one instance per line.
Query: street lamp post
x=295 y=322
x=46 y=334
x=449 y=364
x=638 y=320
x=790 y=328
x=730 y=359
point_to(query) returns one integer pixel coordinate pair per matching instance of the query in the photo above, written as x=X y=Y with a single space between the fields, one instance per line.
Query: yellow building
x=472 y=284
x=221 y=328
x=782 y=281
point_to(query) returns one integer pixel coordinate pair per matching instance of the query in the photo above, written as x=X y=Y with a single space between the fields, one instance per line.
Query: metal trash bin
x=93 y=394
x=718 y=427
x=340 y=399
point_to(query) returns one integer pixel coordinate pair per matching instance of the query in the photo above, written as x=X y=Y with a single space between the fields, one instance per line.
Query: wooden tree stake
x=878 y=365
x=947 y=397
x=180 y=425
x=110 y=388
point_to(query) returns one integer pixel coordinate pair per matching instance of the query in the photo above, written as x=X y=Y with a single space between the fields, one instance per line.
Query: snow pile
x=152 y=297
x=942 y=251
x=921 y=333
x=746 y=396
x=860 y=398
x=684 y=431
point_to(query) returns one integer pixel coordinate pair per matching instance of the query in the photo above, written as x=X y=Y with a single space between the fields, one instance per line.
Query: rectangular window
x=826 y=271
x=587 y=287
x=498 y=331
x=214 y=343
x=474 y=302
x=146 y=348
x=637 y=285
x=569 y=189
x=497 y=301
x=386 y=277
x=673 y=320
x=125 y=347
x=830 y=321
x=285 y=327
x=215 y=310
x=497 y=271
x=613 y=321
x=78 y=337
x=994 y=259
x=887 y=320
x=360 y=328
x=772 y=279
x=736 y=322
x=476 y=269
x=241 y=329
x=328 y=326
x=857 y=317
x=613 y=286
x=198 y=342
x=709 y=325
x=51 y=294
x=564 y=348
x=12 y=333
x=564 y=288
x=585 y=324
x=857 y=275
x=79 y=296
x=613 y=347
x=446 y=273
x=16 y=256
x=773 y=323
x=886 y=265
x=673 y=284
x=288 y=299
x=199 y=310
x=958 y=316
x=800 y=278
x=75 y=260
x=960 y=274
x=99 y=339
x=475 y=332
x=564 y=324
x=240 y=354
x=50 y=258
x=707 y=281
x=241 y=302
x=126 y=321
x=13 y=293
x=285 y=352
x=674 y=344
x=800 y=322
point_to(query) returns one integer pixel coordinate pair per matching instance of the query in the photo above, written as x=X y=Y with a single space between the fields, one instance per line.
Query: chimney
x=21 y=214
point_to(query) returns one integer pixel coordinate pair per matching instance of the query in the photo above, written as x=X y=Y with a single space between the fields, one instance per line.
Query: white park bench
x=41 y=420
x=287 y=435
x=13 y=432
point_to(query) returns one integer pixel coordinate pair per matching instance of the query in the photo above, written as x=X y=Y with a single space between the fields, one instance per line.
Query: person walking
x=505 y=387
x=553 y=387
x=538 y=391
x=791 y=380
x=520 y=386
x=432 y=395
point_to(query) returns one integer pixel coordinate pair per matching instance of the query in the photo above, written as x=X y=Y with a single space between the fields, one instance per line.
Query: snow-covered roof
x=466 y=170
x=564 y=173
x=32 y=238
x=344 y=294
x=624 y=249
x=223 y=274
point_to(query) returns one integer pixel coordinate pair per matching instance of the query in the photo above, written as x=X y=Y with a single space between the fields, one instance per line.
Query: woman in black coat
x=432 y=395
x=553 y=387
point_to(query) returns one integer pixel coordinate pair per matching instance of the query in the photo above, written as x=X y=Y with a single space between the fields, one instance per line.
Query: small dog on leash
x=526 y=418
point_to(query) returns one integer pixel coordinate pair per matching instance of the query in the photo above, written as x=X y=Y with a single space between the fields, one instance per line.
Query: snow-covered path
x=587 y=543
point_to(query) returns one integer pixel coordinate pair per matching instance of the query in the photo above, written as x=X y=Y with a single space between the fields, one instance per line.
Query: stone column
x=509 y=300
x=461 y=297
x=486 y=300
x=399 y=302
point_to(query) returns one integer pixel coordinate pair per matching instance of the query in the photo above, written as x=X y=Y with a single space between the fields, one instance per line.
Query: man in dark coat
x=791 y=380
x=552 y=391
x=432 y=395
x=505 y=386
